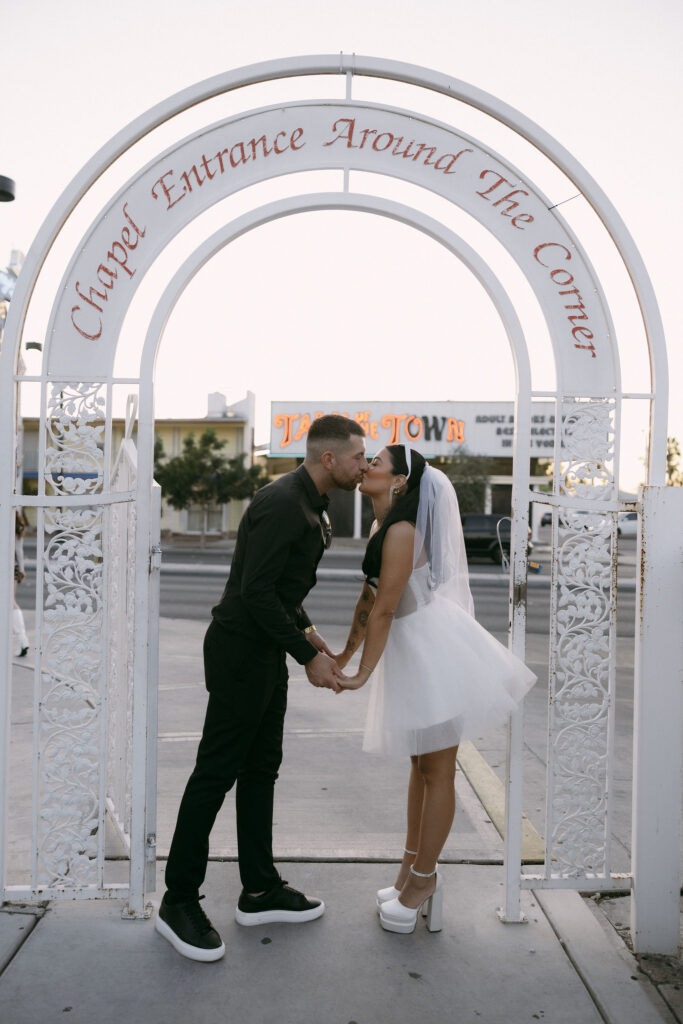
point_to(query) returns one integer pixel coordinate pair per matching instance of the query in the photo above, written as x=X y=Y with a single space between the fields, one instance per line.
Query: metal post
x=357 y=507
x=655 y=915
x=511 y=912
x=7 y=548
x=146 y=572
x=152 y=689
x=6 y=640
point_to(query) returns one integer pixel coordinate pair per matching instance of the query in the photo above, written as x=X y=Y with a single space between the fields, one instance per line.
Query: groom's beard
x=347 y=485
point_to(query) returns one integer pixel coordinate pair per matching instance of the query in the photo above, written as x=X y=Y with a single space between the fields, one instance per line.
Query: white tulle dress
x=442 y=677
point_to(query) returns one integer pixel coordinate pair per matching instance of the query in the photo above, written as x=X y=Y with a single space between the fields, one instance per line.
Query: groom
x=257 y=622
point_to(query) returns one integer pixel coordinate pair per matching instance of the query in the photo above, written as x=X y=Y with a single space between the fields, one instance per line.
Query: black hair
x=404 y=508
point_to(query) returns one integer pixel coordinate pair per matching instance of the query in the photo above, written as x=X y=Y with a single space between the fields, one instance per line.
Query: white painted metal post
x=357 y=509
x=511 y=912
x=153 y=690
x=6 y=640
x=655 y=912
x=147 y=565
x=8 y=397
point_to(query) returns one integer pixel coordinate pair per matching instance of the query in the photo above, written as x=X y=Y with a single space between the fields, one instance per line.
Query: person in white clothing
x=438 y=676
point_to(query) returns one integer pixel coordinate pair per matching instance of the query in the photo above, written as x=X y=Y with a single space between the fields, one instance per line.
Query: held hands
x=323 y=671
x=355 y=682
x=342 y=659
x=351 y=682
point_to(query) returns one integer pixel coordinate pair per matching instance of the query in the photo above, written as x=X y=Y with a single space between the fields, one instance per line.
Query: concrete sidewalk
x=338 y=831
x=82 y=964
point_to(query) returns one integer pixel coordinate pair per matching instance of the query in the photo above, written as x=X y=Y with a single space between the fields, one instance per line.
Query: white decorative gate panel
x=68 y=826
x=582 y=645
x=85 y=695
x=68 y=829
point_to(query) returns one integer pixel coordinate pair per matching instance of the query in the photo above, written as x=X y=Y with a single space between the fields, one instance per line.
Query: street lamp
x=7 y=189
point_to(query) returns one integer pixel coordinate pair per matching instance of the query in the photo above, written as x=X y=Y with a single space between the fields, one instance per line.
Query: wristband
x=310 y=629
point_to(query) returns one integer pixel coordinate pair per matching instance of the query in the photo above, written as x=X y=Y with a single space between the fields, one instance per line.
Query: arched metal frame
x=586 y=424
x=482 y=273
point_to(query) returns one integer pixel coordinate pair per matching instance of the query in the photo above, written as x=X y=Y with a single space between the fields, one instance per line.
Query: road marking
x=179 y=737
x=189 y=737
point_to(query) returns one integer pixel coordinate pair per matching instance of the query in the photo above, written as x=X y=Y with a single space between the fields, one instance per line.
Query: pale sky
x=345 y=306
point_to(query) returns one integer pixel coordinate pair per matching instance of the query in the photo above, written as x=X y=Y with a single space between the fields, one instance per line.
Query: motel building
x=233 y=424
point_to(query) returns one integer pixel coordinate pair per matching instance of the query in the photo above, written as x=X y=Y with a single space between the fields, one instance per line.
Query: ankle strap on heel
x=421 y=874
x=413 y=853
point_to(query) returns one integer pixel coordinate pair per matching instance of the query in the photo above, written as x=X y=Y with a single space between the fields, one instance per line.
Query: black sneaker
x=189 y=930
x=281 y=903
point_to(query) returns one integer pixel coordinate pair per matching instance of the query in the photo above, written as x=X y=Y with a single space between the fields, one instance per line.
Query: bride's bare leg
x=416 y=788
x=437 y=773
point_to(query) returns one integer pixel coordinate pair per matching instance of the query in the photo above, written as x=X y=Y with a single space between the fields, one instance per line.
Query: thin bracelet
x=367 y=667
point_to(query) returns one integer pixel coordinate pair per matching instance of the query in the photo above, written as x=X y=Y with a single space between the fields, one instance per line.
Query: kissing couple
x=437 y=677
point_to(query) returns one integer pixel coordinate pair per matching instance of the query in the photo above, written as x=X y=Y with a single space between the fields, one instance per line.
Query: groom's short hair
x=329 y=432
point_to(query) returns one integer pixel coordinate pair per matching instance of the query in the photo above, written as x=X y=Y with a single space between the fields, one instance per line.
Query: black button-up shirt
x=279 y=544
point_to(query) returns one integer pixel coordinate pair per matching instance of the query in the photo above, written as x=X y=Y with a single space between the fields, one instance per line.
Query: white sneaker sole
x=284 y=916
x=185 y=949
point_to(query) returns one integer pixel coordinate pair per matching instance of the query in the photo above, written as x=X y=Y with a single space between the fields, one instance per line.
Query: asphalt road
x=188 y=596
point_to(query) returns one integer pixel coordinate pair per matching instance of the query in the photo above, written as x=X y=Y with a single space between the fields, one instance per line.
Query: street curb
x=490 y=792
x=480 y=578
x=621 y=992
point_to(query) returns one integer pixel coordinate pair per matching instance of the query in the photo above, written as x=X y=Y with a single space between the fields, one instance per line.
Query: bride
x=438 y=676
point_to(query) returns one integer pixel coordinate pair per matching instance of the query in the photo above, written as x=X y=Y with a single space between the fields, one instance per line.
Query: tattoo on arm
x=359 y=624
x=352 y=641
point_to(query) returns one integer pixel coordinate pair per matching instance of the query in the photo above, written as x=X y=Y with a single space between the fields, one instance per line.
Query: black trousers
x=241 y=743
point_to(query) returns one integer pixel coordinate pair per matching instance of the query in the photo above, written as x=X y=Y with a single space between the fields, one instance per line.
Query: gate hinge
x=150 y=847
x=155 y=558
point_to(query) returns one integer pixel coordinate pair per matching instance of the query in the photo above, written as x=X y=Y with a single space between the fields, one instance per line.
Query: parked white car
x=628 y=524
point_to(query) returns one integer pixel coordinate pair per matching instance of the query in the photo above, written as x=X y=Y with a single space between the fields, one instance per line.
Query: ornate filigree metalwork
x=74 y=424
x=581 y=681
x=71 y=705
x=587 y=449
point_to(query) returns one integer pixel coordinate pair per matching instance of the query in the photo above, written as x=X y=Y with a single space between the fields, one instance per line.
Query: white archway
x=79 y=492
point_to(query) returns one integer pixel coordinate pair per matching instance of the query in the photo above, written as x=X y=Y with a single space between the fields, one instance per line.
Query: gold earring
x=397 y=490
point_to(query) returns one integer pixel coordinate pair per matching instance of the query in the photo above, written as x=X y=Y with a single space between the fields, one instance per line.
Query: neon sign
x=436 y=428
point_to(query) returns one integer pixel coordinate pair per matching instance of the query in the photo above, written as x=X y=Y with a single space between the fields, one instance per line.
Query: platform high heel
x=394 y=917
x=391 y=893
